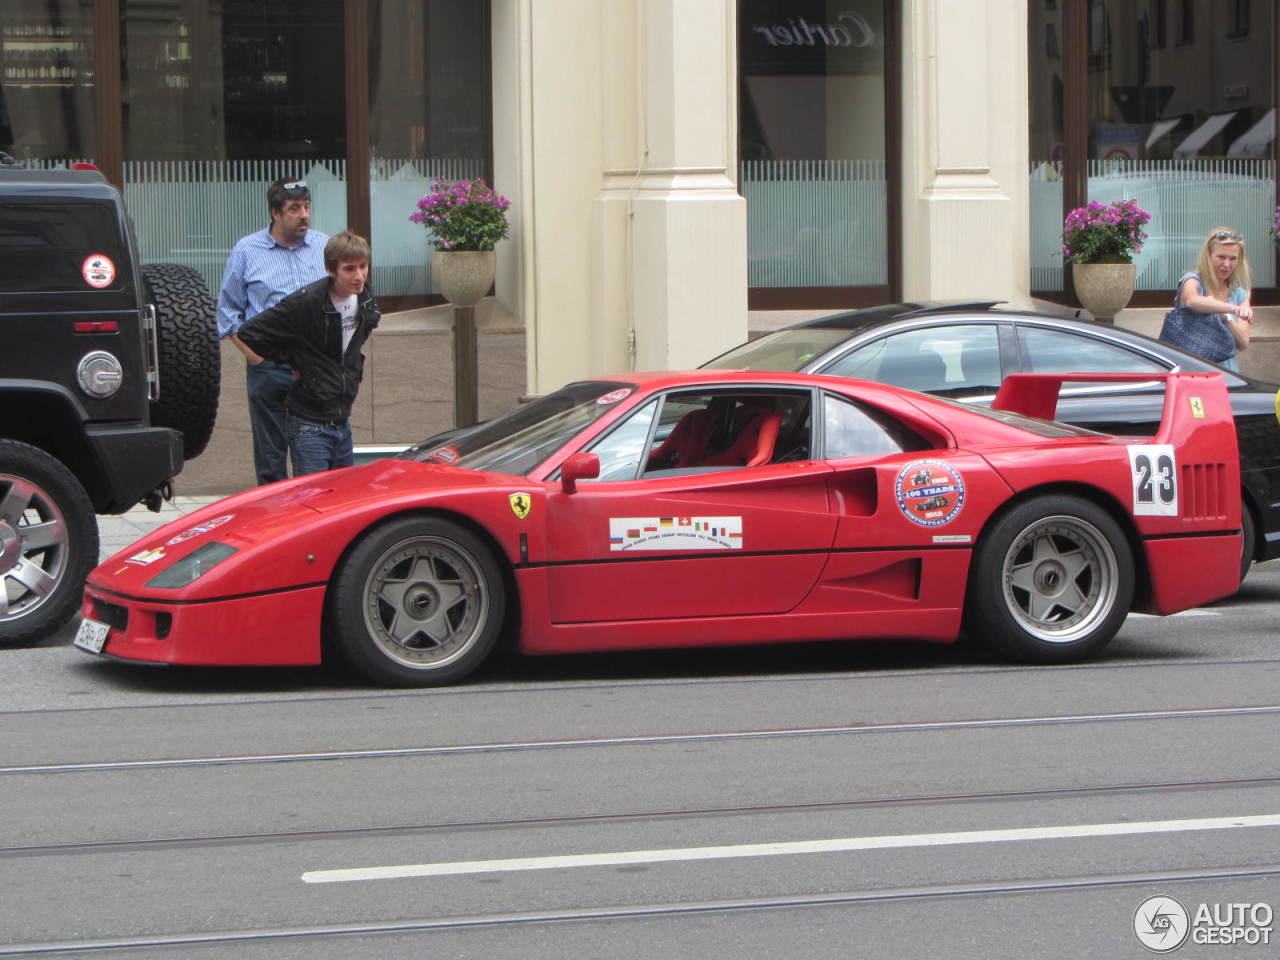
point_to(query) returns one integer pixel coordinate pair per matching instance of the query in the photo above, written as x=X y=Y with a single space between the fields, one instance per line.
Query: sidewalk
x=120 y=530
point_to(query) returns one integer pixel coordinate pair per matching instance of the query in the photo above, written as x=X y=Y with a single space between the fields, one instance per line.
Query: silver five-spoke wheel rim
x=425 y=602
x=1060 y=579
x=33 y=547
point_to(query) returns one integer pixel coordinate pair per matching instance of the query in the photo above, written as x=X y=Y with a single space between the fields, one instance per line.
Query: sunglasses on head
x=1228 y=235
x=294 y=185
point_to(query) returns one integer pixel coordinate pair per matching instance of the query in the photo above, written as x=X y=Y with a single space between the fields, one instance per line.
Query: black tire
x=48 y=543
x=418 y=602
x=1051 y=582
x=1248 y=538
x=190 y=358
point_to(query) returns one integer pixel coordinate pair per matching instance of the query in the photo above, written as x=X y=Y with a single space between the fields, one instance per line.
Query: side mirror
x=579 y=466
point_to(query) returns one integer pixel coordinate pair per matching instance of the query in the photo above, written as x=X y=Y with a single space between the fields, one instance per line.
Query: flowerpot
x=463 y=276
x=1104 y=289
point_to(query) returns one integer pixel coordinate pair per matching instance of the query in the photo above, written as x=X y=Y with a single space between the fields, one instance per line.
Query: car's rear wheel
x=190 y=358
x=48 y=542
x=418 y=602
x=1052 y=581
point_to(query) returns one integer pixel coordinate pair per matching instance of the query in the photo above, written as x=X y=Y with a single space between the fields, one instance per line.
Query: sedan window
x=1056 y=351
x=955 y=360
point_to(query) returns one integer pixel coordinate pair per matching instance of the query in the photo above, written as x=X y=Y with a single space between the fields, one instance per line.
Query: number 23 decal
x=1155 y=480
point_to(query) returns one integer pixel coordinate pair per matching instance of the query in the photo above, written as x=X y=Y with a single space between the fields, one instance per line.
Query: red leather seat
x=754 y=444
x=686 y=442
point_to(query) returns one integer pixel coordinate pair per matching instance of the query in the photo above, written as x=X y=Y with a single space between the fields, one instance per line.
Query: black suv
x=109 y=380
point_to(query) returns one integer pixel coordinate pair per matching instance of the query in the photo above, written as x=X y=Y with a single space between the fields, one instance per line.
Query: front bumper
x=274 y=629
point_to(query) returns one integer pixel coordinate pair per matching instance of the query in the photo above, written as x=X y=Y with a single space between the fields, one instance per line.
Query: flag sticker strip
x=675 y=533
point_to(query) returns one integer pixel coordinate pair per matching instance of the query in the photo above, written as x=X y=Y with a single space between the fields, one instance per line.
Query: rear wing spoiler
x=1192 y=401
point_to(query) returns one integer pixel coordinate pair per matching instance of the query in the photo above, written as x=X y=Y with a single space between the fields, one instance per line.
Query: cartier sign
x=849 y=30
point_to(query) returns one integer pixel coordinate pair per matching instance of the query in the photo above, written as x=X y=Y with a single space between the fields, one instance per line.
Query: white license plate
x=92 y=635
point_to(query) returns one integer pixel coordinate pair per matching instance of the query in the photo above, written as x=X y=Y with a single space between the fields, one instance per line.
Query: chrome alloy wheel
x=425 y=602
x=34 y=547
x=1060 y=578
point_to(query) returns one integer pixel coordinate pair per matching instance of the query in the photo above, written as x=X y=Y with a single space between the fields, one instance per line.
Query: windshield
x=518 y=442
x=783 y=350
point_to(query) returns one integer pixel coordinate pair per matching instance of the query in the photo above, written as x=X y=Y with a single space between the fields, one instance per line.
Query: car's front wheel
x=48 y=542
x=1052 y=581
x=419 y=601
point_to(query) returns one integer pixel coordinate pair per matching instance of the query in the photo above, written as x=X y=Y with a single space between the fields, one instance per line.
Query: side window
x=700 y=432
x=851 y=430
x=952 y=360
x=622 y=448
x=1052 y=351
x=50 y=248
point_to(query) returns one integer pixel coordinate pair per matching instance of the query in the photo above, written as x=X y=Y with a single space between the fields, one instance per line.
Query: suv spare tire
x=190 y=358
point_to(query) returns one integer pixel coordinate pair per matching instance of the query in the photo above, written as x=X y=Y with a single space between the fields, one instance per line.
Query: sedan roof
x=884 y=313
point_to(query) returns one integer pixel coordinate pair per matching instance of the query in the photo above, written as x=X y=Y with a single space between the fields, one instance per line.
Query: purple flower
x=1104 y=233
x=463 y=215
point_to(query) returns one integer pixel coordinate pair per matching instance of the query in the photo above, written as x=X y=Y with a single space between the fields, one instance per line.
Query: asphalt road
x=873 y=800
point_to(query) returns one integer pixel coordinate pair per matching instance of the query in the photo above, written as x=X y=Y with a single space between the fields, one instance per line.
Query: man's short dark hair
x=285 y=189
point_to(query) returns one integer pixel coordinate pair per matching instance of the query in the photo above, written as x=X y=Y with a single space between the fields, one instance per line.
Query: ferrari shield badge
x=520 y=504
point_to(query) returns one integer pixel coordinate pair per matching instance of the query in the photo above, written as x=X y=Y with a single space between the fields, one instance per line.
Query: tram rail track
x=510 y=746
x=643 y=911
x=1049 y=793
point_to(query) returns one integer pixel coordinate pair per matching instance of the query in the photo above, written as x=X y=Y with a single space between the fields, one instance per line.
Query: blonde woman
x=1218 y=291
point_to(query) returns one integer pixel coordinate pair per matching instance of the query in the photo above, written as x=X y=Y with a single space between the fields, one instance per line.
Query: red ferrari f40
x=700 y=508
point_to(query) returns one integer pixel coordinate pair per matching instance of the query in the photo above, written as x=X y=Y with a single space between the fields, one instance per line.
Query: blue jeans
x=268 y=383
x=316 y=447
x=1231 y=363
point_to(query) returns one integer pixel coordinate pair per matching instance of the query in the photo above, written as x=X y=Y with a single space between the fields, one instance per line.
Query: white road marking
x=790 y=848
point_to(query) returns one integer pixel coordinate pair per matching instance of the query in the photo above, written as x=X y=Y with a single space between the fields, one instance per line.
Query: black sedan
x=964 y=350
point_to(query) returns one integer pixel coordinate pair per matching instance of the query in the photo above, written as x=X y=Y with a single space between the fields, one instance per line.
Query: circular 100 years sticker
x=929 y=492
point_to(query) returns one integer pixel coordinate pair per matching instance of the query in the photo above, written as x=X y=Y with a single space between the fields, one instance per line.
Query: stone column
x=669 y=209
x=966 y=198
x=615 y=136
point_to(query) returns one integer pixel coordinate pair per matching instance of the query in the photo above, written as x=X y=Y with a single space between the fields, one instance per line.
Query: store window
x=429 y=109
x=1186 y=128
x=812 y=131
x=219 y=100
x=46 y=81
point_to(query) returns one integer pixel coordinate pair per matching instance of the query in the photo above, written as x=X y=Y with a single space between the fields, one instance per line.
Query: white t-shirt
x=346 y=307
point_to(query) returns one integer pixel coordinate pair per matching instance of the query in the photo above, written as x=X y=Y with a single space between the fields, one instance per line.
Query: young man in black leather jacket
x=319 y=331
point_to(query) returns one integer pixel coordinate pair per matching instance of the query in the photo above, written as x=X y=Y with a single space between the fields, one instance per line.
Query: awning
x=1159 y=129
x=1201 y=135
x=1257 y=139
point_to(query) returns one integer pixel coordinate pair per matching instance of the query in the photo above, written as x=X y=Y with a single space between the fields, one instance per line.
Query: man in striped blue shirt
x=263 y=269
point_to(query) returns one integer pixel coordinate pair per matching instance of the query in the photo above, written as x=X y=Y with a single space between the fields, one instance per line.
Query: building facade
x=682 y=172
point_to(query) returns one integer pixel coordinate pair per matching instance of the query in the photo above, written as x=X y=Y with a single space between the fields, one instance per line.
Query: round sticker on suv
x=98 y=270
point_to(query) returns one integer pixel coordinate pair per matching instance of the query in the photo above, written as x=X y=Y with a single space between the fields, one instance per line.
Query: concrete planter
x=463 y=276
x=1104 y=289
